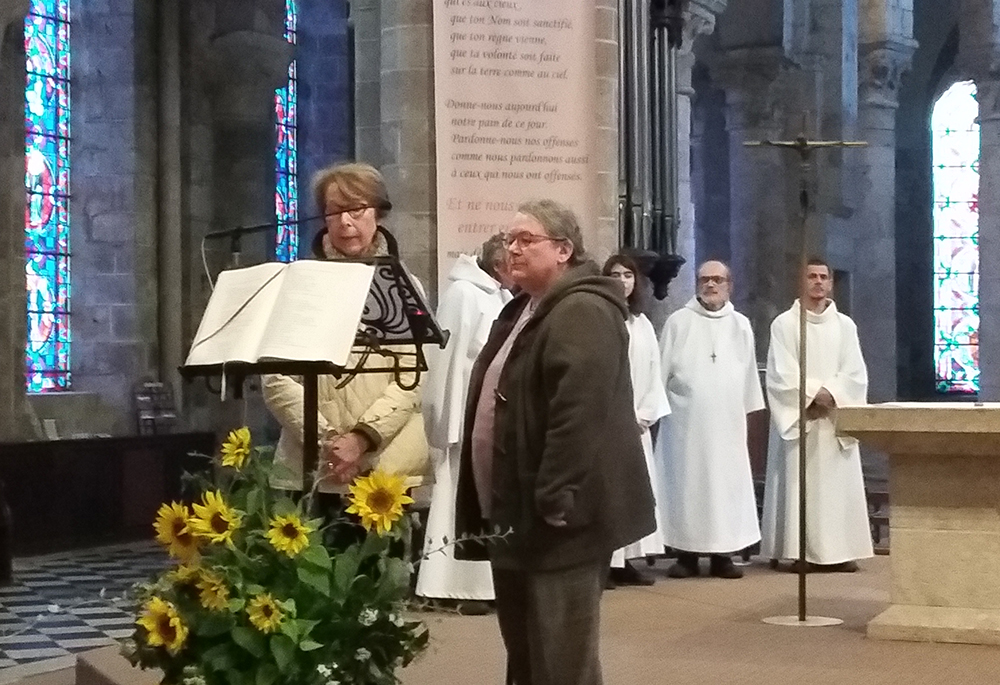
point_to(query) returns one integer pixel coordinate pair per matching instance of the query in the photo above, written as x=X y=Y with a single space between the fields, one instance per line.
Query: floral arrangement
x=259 y=597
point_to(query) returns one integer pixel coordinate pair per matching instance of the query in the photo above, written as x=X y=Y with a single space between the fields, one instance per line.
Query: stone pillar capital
x=11 y=11
x=243 y=64
x=755 y=83
x=699 y=20
x=881 y=66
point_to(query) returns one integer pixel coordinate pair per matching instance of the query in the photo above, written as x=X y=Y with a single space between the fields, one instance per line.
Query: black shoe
x=722 y=566
x=685 y=567
x=473 y=607
x=843 y=567
x=630 y=575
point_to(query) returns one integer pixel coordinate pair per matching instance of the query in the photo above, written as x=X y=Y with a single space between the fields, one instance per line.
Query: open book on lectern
x=307 y=310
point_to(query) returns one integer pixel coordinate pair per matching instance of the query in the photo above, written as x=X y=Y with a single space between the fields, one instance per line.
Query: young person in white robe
x=837 y=529
x=710 y=372
x=468 y=307
x=651 y=405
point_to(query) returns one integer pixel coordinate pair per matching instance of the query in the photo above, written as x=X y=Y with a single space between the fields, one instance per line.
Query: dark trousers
x=550 y=622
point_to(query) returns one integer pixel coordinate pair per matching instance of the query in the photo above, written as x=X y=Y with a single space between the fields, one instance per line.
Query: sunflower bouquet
x=257 y=597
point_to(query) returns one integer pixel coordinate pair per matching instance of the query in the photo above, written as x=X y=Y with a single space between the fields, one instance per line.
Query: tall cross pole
x=805 y=149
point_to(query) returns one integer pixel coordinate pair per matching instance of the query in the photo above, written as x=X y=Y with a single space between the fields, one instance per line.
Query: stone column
x=764 y=218
x=13 y=300
x=249 y=60
x=602 y=239
x=366 y=18
x=407 y=125
x=885 y=53
x=699 y=20
x=979 y=57
x=989 y=238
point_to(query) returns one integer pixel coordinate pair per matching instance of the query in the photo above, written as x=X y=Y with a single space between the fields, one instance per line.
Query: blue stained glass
x=955 y=130
x=46 y=181
x=286 y=205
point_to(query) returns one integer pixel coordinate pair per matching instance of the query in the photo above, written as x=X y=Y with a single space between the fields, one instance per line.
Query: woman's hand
x=345 y=454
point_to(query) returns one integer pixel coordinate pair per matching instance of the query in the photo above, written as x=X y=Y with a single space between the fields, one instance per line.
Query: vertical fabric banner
x=514 y=95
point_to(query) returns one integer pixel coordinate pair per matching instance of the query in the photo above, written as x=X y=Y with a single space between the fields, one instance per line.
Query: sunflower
x=214 y=520
x=236 y=448
x=184 y=574
x=163 y=625
x=214 y=593
x=265 y=614
x=173 y=529
x=378 y=500
x=288 y=534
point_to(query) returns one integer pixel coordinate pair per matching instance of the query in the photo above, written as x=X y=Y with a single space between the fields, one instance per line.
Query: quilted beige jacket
x=372 y=403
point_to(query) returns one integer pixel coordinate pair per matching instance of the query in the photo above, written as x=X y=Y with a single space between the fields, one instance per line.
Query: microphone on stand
x=236 y=234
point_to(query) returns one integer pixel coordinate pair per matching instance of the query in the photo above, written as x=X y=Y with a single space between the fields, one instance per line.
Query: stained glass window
x=286 y=195
x=955 y=130
x=46 y=238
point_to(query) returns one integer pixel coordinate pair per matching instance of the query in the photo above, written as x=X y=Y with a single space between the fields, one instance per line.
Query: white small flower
x=362 y=654
x=367 y=617
x=324 y=670
x=397 y=620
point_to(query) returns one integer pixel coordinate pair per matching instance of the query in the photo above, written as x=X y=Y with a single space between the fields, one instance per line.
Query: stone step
x=65 y=676
x=106 y=666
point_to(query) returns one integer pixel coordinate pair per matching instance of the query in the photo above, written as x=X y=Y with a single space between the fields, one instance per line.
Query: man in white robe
x=837 y=528
x=710 y=372
x=467 y=309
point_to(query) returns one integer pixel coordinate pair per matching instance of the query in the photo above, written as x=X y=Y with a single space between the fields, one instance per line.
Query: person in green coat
x=551 y=452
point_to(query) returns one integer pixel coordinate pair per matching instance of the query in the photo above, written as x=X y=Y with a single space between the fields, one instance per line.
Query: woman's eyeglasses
x=523 y=240
x=353 y=212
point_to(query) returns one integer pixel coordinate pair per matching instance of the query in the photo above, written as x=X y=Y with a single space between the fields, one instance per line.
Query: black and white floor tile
x=60 y=605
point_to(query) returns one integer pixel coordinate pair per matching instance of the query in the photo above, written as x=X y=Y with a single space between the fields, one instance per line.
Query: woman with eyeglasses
x=651 y=405
x=370 y=422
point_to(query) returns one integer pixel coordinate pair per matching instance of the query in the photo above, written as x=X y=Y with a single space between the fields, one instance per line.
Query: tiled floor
x=55 y=606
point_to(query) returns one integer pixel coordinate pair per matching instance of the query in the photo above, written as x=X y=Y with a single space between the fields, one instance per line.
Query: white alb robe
x=468 y=308
x=710 y=372
x=650 y=406
x=837 y=528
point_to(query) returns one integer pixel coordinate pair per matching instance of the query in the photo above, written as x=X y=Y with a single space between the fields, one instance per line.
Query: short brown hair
x=358 y=183
x=559 y=222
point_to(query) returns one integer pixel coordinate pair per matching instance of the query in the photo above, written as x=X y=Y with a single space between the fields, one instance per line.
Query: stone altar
x=944 y=520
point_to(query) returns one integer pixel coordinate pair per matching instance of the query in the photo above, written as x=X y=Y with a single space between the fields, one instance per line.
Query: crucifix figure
x=713 y=356
x=805 y=149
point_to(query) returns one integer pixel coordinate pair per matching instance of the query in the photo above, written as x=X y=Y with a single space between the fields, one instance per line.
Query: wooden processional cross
x=805 y=149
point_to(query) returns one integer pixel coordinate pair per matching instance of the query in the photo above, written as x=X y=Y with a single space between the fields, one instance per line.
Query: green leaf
x=219 y=657
x=315 y=578
x=309 y=645
x=373 y=545
x=237 y=604
x=212 y=624
x=305 y=627
x=267 y=674
x=250 y=640
x=395 y=580
x=255 y=501
x=283 y=650
x=317 y=555
x=284 y=505
x=346 y=569
x=291 y=629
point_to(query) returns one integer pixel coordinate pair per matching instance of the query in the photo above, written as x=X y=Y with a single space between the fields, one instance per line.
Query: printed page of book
x=318 y=310
x=237 y=314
